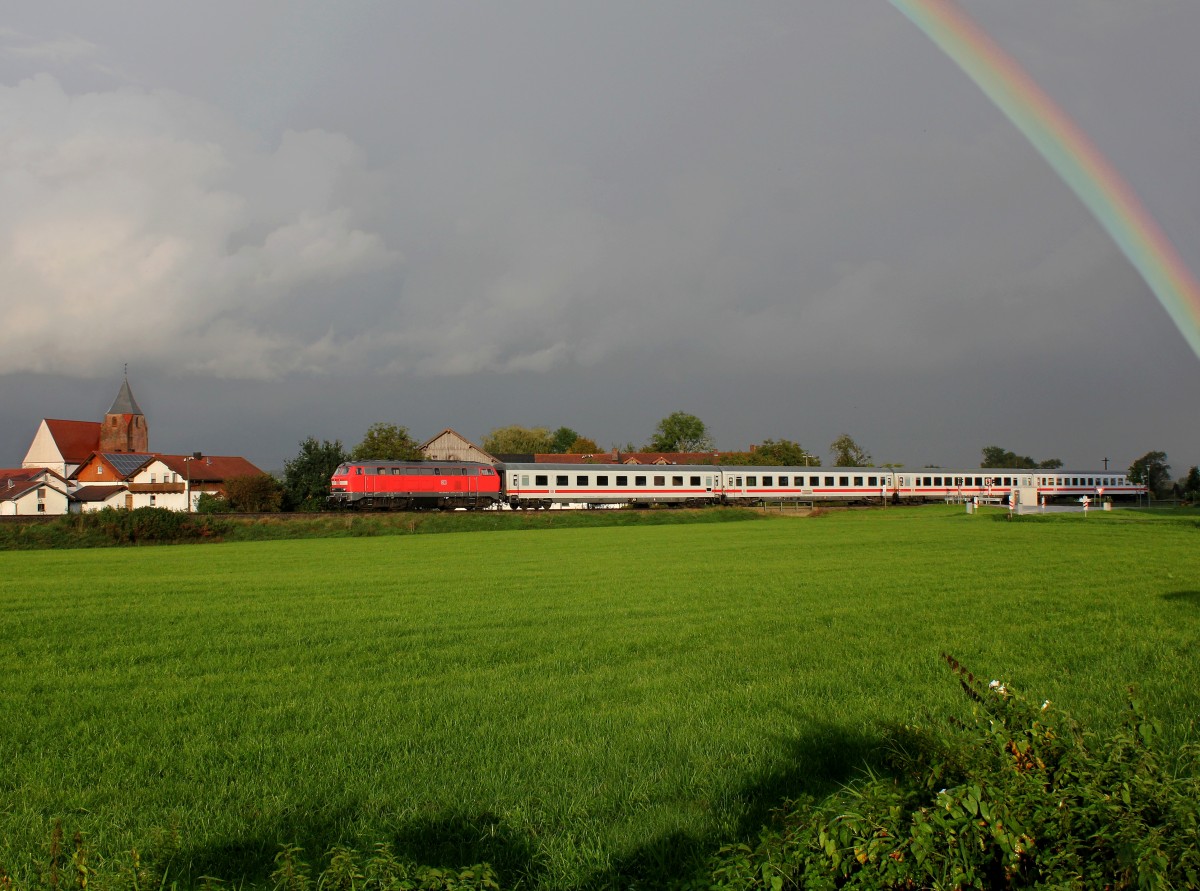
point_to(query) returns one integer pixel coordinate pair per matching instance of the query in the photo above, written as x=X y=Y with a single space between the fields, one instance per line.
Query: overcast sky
x=792 y=220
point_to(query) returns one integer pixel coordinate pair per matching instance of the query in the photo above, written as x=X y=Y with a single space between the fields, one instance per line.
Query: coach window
x=695 y=481
x=872 y=481
x=515 y=482
x=814 y=481
x=928 y=481
x=541 y=480
x=660 y=481
x=751 y=481
x=676 y=481
x=708 y=482
x=581 y=480
x=561 y=480
x=639 y=481
x=937 y=480
x=524 y=479
x=623 y=481
x=858 y=480
x=829 y=481
x=602 y=481
x=768 y=481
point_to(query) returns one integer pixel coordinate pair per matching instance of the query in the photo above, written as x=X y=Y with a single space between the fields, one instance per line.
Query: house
x=109 y=464
x=175 y=482
x=452 y=446
x=61 y=446
x=32 y=492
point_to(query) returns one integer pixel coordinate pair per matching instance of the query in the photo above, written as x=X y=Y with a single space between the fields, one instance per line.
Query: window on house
x=152 y=497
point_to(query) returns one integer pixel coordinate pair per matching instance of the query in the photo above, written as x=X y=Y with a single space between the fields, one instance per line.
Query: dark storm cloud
x=791 y=220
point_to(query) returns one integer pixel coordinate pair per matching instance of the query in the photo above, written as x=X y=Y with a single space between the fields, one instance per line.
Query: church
x=90 y=465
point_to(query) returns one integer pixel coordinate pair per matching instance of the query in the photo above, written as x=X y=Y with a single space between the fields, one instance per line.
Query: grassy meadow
x=581 y=707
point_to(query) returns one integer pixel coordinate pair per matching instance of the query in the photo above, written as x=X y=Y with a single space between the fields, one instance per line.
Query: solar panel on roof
x=125 y=463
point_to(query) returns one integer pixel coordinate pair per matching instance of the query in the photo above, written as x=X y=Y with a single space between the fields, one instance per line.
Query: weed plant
x=573 y=708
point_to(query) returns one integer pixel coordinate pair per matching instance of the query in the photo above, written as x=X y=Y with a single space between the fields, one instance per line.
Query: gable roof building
x=62 y=446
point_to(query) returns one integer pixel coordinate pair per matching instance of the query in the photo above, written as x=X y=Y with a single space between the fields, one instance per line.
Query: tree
x=994 y=456
x=562 y=439
x=583 y=446
x=1152 y=471
x=680 y=432
x=782 y=453
x=255 y=494
x=847 y=453
x=1191 y=485
x=387 y=442
x=516 y=440
x=306 y=477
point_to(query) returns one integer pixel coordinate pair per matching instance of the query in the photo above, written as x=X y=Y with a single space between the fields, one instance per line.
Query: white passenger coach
x=545 y=485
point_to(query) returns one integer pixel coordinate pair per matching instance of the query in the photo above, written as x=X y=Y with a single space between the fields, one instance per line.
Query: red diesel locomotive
x=415 y=485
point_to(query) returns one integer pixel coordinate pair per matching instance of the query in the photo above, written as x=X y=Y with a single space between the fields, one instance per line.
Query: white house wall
x=43 y=452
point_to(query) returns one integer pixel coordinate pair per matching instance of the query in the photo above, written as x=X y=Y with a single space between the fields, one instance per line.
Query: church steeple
x=124 y=428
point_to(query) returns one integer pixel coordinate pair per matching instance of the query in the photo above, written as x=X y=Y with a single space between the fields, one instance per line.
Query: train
x=449 y=485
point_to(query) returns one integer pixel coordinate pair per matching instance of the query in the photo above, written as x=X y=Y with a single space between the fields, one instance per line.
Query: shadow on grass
x=250 y=858
x=458 y=840
x=816 y=764
x=444 y=841
x=1188 y=598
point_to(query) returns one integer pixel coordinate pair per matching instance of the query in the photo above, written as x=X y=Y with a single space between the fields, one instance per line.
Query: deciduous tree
x=254 y=494
x=680 y=432
x=387 y=442
x=583 y=446
x=515 y=440
x=1152 y=471
x=994 y=456
x=847 y=453
x=562 y=439
x=783 y=453
x=306 y=477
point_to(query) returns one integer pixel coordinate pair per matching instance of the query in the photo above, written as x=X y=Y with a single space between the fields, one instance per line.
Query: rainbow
x=1069 y=151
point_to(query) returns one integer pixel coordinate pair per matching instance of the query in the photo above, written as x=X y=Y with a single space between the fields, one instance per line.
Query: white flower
x=994 y=684
x=1046 y=705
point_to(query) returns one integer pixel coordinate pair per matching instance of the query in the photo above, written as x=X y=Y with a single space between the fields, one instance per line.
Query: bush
x=1015 y=795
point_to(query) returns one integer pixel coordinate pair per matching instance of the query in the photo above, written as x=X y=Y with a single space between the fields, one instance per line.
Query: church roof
x=124 y=404
x=75 y=440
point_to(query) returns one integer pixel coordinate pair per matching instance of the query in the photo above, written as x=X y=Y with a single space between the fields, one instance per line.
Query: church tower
x=124 y=427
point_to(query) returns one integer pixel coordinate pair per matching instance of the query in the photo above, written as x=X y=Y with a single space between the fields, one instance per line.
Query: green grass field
x=580 y=707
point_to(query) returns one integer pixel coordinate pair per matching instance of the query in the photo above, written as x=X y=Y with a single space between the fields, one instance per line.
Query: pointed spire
x=124 y=404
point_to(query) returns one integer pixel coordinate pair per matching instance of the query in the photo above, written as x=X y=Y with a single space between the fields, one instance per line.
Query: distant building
x=32 y=492
x=98 y=464
x=450 y=445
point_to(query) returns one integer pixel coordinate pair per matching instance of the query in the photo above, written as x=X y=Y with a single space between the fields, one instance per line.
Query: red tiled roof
x=19 y=474
x=631 y=458
x=209 y=468
x=96 y=493
x=75 y=439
